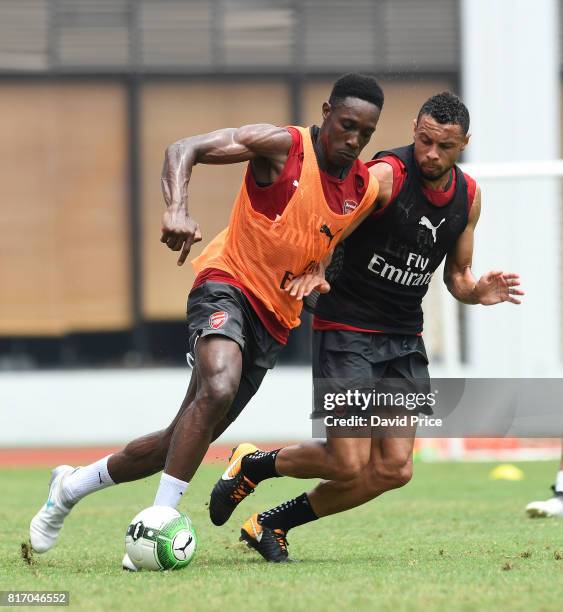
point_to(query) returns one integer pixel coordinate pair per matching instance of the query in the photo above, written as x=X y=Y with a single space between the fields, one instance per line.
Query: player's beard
x=433 y=176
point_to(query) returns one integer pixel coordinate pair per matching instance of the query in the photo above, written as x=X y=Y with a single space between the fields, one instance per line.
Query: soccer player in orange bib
x=304 y=191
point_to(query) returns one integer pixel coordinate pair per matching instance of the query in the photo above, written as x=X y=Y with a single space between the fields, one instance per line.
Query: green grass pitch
x=451 y=540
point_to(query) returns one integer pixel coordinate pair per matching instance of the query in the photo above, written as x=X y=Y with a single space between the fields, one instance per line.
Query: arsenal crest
x=218 y=319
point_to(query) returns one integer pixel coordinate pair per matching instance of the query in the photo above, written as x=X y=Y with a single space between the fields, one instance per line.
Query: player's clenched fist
x=179 y=232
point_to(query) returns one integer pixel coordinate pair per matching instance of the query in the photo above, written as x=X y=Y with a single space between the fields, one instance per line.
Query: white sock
x=86 y=480
x=559 y=482
x=170 y=491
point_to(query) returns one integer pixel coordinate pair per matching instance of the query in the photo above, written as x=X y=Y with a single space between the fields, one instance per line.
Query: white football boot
x=546 y=509
x=46 y=524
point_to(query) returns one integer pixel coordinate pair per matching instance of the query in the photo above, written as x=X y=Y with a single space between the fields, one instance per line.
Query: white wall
x=92 y=407
x=510 y=76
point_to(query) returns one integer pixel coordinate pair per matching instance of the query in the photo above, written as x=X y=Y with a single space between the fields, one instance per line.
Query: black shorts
x=379 y=362
x=222 y=309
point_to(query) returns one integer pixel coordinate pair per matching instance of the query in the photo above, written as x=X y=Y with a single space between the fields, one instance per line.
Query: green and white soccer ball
x=160 y=538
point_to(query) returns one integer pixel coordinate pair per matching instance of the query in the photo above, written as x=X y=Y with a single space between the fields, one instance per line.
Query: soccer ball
x=160 y=538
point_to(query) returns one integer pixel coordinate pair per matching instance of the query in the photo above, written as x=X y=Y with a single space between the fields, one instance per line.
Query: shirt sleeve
x=471 y=189
x=399 y=173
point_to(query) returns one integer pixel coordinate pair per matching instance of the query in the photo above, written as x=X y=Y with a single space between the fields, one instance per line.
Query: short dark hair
x=446 y=107
x=355 y=85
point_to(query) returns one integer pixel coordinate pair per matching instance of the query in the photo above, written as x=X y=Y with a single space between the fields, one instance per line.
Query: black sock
x=260 y=465
x=290 y=514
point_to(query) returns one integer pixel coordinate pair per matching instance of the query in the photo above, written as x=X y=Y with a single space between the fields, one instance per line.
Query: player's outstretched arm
x=266 y=144
x=383 y=172
x=493 y=287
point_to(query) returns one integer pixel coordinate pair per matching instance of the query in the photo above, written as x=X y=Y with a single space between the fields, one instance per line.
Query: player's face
x=437 y=146
x=347 y=128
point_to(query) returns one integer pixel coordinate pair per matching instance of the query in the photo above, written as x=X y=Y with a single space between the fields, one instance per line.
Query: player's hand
x=302 y=286
x=496 y=287
x=179 y=231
